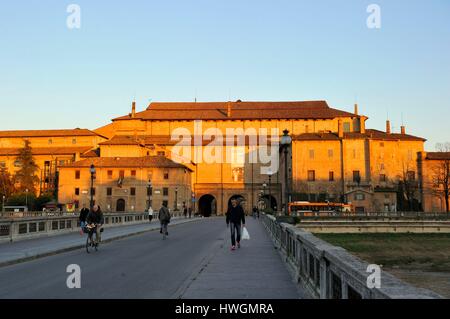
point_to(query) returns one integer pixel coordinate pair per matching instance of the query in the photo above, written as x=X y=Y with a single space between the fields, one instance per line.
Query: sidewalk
x=256 y=271
x=16 y=252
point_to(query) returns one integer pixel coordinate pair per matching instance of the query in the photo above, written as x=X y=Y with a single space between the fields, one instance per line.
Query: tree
x=407 y=187
x=6 y=183
x=26 y=176
x=441 y=173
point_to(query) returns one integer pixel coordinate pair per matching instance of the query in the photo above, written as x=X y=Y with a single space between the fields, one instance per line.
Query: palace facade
x=333 y=157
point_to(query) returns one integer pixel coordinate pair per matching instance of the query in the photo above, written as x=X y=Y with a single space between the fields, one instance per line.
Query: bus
x=318 y=209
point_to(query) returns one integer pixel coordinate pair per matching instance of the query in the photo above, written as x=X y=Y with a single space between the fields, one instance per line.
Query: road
x=143 y=266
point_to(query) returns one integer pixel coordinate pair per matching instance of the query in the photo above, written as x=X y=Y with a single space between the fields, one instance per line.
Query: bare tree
x=407 y=187
x=441 y=173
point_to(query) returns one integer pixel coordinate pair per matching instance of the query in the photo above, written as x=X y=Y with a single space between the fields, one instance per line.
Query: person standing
x=83 y=215
x=150 y=214
x=185 y=211
x=235 y=218
x=164 y=218
x=190 y=212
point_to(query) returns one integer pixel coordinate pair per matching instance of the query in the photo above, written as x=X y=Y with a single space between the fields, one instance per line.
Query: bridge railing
x=330 y=272
x=13 y=229
x=372 y=215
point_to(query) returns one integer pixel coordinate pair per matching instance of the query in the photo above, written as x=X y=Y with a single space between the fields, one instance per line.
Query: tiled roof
x=438 y=156
x=127 y=162
x=46 y=150
x=47 y=133
x=239 y=111
x=90 y=153
x=370 y=134
x=121 y=140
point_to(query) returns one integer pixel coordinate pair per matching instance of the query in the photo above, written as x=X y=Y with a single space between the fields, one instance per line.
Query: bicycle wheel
x=88 y=244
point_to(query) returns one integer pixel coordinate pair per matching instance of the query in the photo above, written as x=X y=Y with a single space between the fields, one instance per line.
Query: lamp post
x=264 y=193
x=92 y=170
x=26 y=198
x=149 y=194
x=176 y=199
x=270 y=173
x=3 y=203
x=286 y=142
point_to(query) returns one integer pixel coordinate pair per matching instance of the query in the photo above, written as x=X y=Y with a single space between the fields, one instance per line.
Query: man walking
x=235 y=216
x=164 y=218
x=185 y=211
x=190 y=211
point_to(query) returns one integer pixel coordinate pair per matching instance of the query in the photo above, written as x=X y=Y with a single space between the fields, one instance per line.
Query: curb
x=79 y=246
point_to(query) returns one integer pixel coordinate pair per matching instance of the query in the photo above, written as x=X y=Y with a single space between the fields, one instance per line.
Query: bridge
x=195 y=262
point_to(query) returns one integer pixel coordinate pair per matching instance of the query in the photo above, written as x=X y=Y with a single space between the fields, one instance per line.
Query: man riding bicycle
x=95 y=218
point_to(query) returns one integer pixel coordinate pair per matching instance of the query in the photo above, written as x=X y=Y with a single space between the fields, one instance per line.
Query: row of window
x=410 y=175
x=110 y=174
x=165 y=191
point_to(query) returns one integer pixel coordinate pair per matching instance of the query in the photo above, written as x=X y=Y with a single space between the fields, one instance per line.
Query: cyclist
x=95 y=217
x=164 y=218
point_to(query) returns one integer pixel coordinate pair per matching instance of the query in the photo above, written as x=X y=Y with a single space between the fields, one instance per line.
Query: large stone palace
x=333 y=157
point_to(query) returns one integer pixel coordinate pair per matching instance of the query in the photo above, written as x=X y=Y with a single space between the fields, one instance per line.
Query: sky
x=52 y=76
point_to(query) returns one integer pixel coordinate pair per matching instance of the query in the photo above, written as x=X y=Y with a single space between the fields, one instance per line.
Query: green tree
x=26 y=176
x=6 y=183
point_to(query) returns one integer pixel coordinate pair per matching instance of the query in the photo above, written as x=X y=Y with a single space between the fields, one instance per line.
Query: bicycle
x=90 y=242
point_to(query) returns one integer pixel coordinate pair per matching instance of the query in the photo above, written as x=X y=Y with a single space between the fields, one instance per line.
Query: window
x=411 y=175
x=110 y=174
x=165 y=191
x=133 y=191
x=311 y=176
x=311 y=154
x=77 y=174
x=346 y=127
x=330 y=153
x=109 y=191
x=382 y=178
x=50 y=141
x=74 y=141
x=356 y=177
x=161 y=153
x=166 y=175
x=331 y=176
x=122 y=174
x=77 y=192
x=61 y=163
x=133 y=173
x=360 y=196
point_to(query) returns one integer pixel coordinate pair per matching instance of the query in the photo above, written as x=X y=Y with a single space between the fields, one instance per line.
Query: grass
x=425 y=252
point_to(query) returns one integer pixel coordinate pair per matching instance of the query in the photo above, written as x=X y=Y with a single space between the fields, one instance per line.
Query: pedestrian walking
x=190 y=212
x=185 y=211
x=150 y=214
x=255 y=212
x=164 y=219
x=235 y=218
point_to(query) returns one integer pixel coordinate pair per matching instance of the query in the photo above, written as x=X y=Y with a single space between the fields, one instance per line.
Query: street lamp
x=286 y=142
x=26 y=198
x=92 y=170
x=176 y=199
x=149 y=193
x=3 y=203
x=264 y=194
x=270 y=173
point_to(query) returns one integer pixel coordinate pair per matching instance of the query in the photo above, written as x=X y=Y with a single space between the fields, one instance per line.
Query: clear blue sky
x=54 y=77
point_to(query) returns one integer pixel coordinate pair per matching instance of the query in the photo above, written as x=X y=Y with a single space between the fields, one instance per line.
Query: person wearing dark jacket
x=95 y=216
x=83 y=215
x=235 y=219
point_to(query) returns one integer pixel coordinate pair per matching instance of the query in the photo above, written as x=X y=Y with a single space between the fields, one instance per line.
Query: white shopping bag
x=245 y=234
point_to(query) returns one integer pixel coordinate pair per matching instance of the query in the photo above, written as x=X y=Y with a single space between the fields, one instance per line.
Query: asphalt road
x=142 y=266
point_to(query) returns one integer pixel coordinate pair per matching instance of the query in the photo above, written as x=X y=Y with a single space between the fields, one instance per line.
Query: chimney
x=133 y=109
x=388 y=127
x=362 y=124
x=403 y=130
x=229 y=110
x=340 y=129
x=356 y=109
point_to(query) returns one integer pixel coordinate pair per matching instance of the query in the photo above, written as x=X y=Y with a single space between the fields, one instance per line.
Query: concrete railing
x=330 y=272
x=32 y=227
